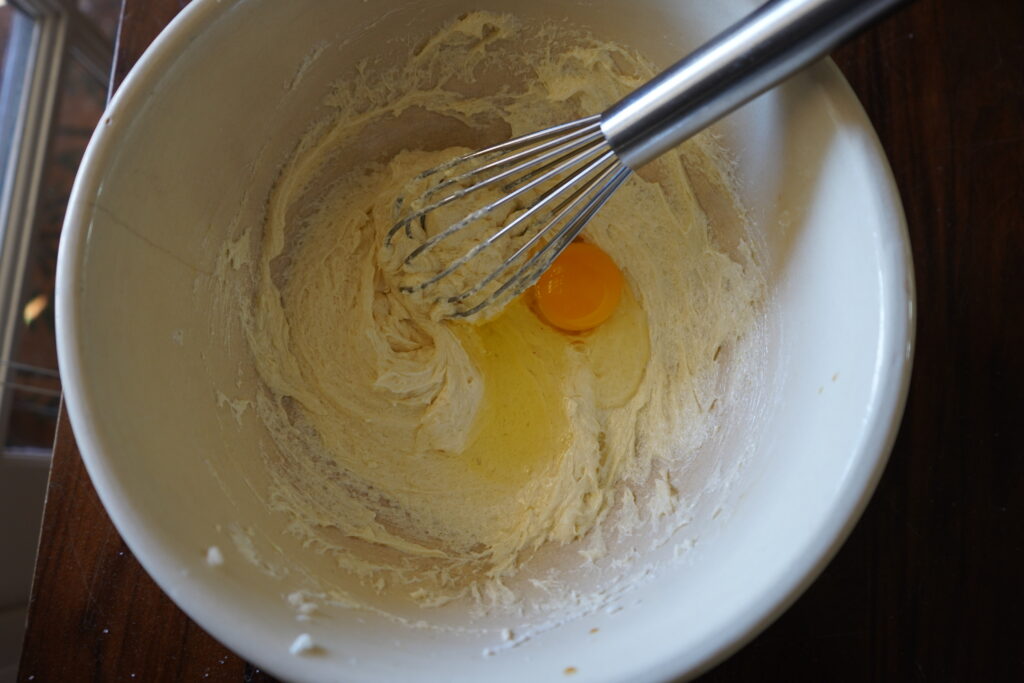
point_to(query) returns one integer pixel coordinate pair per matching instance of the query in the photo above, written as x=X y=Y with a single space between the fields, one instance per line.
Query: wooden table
x=928 y=585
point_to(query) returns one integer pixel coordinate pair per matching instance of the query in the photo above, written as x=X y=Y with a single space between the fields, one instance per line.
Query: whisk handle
x=748 y=58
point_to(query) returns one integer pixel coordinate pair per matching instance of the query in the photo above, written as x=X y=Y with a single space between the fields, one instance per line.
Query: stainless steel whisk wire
x=574 y=168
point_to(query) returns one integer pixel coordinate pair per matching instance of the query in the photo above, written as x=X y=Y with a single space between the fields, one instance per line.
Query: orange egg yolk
x=580 y=290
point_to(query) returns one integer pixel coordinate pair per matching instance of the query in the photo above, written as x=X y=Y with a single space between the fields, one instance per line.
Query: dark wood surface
x=928 y=587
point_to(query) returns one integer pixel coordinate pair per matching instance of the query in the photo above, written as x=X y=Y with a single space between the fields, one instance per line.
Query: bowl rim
x=891 y=377
x=219 y=615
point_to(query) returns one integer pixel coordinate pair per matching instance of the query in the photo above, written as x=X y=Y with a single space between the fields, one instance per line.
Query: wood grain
x=141 y=21
x=927 y=586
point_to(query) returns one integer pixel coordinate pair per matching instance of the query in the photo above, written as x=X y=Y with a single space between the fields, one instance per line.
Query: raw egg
x=580 y=290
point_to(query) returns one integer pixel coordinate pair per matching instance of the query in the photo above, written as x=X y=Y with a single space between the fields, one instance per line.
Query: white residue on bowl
x=214 y=557
x=303 y=645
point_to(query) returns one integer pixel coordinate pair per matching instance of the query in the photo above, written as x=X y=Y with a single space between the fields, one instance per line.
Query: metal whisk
x=551 y=183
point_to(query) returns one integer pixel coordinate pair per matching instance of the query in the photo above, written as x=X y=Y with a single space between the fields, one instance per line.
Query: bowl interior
x=154 y=369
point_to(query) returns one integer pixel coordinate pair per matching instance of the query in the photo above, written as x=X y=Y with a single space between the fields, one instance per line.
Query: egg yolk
x=580 y=290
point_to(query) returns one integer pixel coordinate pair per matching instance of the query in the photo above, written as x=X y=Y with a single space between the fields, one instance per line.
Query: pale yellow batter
x=433 y=458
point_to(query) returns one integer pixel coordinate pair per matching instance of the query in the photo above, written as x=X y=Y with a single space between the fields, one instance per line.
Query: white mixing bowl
x=188 y=149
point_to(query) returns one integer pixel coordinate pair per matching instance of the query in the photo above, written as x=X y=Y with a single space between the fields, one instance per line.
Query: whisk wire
x=559 y=213
x=568 y=172
x=540 y=262
x=590 y=150
x=587 y=128
x=608 y=180
x=588 y=122
x=536 y=208
x=562 y=153
x=589 y=133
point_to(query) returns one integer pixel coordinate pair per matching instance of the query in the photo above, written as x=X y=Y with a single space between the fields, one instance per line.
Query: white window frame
x=59 y=30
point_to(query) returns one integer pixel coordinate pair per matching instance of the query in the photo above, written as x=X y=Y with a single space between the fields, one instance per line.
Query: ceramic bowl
x=187 y=149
